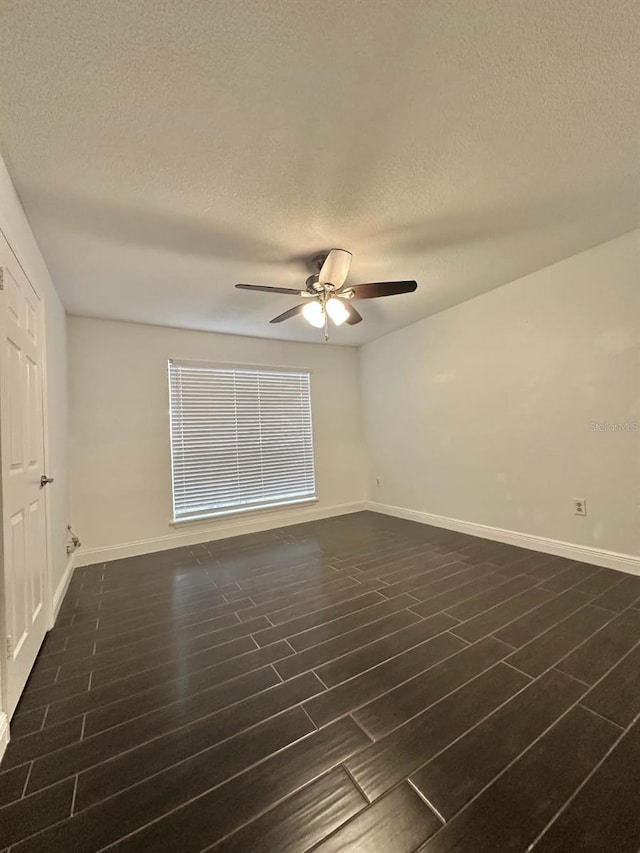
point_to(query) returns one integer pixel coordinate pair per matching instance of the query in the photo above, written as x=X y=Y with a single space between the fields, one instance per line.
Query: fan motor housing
x=318 y=260
x=313 y=283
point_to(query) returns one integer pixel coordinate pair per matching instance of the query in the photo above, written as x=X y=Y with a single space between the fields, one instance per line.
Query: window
x=241 y=439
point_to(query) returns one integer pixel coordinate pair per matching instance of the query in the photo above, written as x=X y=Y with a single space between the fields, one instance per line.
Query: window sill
x=199 y=519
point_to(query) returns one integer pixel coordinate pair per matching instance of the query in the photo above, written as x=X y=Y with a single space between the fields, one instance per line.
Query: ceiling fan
x=327 y=297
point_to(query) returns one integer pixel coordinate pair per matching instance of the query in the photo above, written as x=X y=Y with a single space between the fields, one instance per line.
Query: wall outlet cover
x=579 y=506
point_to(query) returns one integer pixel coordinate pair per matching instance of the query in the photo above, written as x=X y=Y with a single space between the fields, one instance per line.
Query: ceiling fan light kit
x=328 y=296
x=313 y=313
x=337 y=310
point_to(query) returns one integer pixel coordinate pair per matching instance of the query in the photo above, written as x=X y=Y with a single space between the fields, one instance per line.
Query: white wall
x=482 y=413
x=17 y=231
x=119 y=432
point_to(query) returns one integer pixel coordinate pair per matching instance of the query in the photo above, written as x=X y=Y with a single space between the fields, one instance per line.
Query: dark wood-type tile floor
x=356 y=684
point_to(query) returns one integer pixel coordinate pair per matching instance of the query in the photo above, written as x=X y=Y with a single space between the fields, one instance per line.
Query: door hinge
x=9 y=645
x=1 y=278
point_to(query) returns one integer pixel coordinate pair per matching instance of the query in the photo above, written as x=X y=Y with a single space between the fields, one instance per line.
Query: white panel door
x=23 y=501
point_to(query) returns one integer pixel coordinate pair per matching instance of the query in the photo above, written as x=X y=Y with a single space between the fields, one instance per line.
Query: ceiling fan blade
x=354 y=316
x=335 y=269
x=297 y=309
x=380 y=288
x=265 y=289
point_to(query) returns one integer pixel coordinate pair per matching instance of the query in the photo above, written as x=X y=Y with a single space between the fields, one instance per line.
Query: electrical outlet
x=378 y=481
x=579 y=506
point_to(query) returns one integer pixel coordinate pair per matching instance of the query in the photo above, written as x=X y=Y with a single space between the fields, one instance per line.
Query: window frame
x=237 y=510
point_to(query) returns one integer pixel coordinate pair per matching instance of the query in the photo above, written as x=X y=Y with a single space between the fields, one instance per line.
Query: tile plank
x=302 y=820
x=617 y=696
x=364 y=688
x=576 y=574
x=620 y=596
x=511 y=812
x=210 y=817
x=317 y=618
x=604 y=649
x=221 y=644
x=135 y=765
x=40 y=743
x=451 y=597
x=547 y=649
x=328 y=630
x=33 y=814
x=399 y=821
x=432 y=587
x=488 y=748
x=501 y=614
x=604 y=815
x=96 y=827
x=479 y=603
x=168 y=692
x=132 y=748
x=368 y=656
x=537 y=621
x=386 y=762
x=12 y=783
x=321 y=653
x=405 y=701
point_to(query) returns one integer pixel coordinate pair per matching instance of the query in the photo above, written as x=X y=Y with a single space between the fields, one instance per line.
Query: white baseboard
x=4 y=733
x=222 y=529
x=61 y=589
x=583 y=553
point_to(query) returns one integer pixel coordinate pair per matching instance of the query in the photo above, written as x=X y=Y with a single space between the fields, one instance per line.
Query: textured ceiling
x=166 y=150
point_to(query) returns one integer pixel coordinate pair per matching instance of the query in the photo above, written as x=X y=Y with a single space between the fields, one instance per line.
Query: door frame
x=48 y=580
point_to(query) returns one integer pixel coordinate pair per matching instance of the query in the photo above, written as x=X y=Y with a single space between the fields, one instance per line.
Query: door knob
x=44 y=481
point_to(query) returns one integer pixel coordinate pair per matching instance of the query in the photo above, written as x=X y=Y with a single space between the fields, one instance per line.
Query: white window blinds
x=240 y=439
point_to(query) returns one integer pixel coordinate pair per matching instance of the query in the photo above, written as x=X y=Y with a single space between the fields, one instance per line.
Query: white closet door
x=23 y=501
